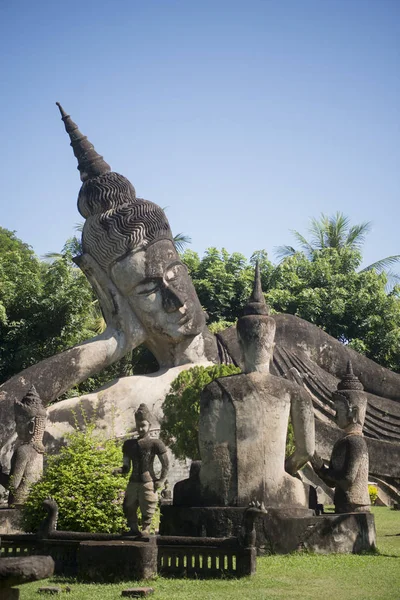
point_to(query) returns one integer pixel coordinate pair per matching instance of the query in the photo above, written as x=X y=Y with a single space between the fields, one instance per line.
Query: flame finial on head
x=30 y=405
x=256 y=304
x=90 y=163
x=350 y=381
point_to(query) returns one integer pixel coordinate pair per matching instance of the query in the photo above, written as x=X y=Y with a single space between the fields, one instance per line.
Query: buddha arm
x=302 y=416
x=18 y=466
x=55 y=375
x=164 y=465
x=126 y=464
x=345 y=476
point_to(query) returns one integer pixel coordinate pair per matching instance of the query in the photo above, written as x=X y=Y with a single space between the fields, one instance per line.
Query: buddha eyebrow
x=160 y=276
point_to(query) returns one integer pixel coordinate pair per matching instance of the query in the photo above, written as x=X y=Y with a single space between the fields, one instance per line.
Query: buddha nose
x=171 y=300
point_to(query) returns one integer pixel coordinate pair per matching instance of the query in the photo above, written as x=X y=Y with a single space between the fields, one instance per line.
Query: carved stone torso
x=142 y=452
x=242 y=434
x=26 y=469
x=350 y=461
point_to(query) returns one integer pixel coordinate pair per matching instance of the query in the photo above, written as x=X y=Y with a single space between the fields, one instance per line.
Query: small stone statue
x=348 y=468
x=141 y=491
x=166 y=493
x=27 y=460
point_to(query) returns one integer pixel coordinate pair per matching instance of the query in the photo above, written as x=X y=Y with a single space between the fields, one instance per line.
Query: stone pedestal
x=277 y=531
x=117 y=561
x=16 y=571
x=10 y=520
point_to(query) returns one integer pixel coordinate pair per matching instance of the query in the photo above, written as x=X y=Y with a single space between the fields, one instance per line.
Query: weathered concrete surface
x=384 y=457
x=111 y=409
x=242 y=433
x=10 y=520
x=117 y=561
x=15 y=571
x=277 y=532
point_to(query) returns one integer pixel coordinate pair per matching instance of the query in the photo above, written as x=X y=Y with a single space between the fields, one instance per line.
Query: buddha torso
x=350 y=458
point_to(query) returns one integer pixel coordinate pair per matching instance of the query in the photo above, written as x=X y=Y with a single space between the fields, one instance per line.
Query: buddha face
x=24 y=428
x=142 y=428
x=160 y=291
x=344 y=414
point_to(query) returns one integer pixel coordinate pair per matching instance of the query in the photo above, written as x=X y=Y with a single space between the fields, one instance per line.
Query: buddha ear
x=31 y=426
x=354 y=414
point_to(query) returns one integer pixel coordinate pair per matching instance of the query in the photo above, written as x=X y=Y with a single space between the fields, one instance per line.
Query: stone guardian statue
x=139 y=454
x=27 y=460
x=348 y=468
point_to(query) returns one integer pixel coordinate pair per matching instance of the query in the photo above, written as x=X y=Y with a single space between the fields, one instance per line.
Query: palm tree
x=336 y=232
x=181 y=241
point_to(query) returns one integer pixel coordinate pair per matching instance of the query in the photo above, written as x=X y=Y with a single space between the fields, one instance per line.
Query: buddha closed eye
x=152 y=285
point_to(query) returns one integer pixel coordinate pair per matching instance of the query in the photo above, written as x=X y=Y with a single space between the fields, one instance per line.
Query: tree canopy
x=336 y=232
x=329 y=291
x=44 y=308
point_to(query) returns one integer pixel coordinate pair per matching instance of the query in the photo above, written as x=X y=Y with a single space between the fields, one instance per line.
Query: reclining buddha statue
x=147 y=297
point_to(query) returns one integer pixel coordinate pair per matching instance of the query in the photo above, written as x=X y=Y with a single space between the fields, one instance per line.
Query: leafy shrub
x=373 y=493
x=180 y=425
x=80 y=480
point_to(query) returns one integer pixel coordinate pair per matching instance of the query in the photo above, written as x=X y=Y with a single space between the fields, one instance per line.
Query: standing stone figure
x=348 y=468
x=244 y=422
x=141 y=492
x=27 y=460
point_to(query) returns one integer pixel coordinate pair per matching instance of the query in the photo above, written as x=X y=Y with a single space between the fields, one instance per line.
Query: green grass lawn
x=305 y=576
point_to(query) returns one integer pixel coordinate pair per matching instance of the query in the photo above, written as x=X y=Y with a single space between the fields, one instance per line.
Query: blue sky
x=243 y=118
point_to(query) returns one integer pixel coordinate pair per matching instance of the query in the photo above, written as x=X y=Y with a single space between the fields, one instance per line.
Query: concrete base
x=10 y=520
x=277 y=532
x=117 y=561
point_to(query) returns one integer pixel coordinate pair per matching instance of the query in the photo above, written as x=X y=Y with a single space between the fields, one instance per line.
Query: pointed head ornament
x=30 y=405
x=90 y=163
x=350 y=381
x=256 y=304
x=117 y=222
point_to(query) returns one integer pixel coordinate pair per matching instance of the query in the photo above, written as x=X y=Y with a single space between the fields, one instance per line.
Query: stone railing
x=174 y=556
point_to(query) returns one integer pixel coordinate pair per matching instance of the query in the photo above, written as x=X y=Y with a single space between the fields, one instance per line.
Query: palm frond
x=317 y=229
x=50 y=256
x=282 y=252
x=336 y=232
x=392 y=280
x=181 y=241
x=383 y=264
x=357 y=233
x=305 y=245
x=79 y=226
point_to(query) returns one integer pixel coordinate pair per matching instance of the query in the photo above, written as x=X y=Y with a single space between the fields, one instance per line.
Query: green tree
x=352 y=306
x=79 y=478
x=44 y=308
x=224 y=281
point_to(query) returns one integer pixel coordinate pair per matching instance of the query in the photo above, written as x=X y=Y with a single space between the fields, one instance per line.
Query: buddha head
x=30 y=419
x=143 y=420
x=350 y=401
x=256 y=330
x=131 y=240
